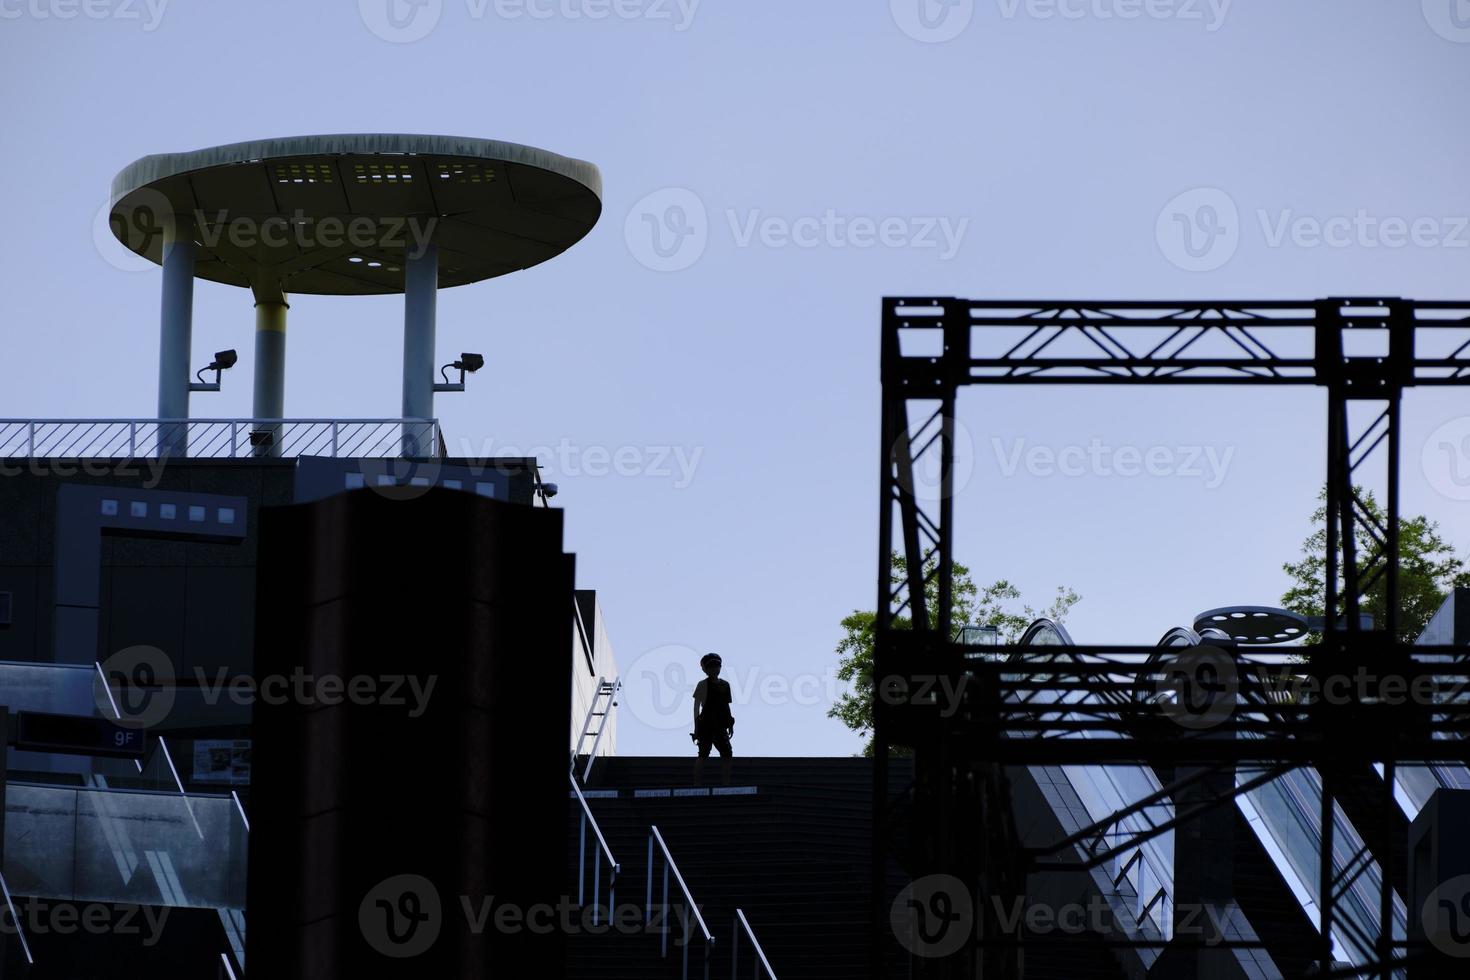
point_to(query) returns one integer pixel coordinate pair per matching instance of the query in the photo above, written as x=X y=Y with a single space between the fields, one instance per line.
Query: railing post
x=596 y=885
x=31 y=439
x=233 y=450
x=132 y=440
x=582 y=859
x=648 y=895
x=334 y=438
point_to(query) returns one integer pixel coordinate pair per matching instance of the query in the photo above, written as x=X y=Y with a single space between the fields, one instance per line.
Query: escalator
x=1277 y=859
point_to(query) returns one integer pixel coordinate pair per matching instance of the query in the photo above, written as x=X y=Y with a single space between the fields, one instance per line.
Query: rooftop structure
x=341 y=215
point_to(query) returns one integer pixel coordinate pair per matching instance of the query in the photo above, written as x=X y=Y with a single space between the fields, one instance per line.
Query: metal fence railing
x=761 y=966
x=692 y=916
x=604 y=853
x=216 y=438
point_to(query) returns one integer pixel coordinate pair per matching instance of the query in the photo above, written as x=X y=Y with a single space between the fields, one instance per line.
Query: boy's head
x=710 y=664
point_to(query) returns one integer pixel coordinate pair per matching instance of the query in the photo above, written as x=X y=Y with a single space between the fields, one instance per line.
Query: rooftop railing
x=216 y=438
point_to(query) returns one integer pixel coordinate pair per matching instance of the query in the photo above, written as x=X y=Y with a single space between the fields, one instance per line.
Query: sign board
x=222 y=761
x=37 y=731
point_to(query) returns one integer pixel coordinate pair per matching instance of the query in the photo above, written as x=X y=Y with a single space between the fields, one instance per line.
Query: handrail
x=593 y=820
x=14 y=918
x=612 y=882
x=670 y=865
x=673 y=866
x=183 y=793
x=761 y=961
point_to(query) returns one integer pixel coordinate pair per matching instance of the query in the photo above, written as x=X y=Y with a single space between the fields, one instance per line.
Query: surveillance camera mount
x=467 y=364
x=223 y=361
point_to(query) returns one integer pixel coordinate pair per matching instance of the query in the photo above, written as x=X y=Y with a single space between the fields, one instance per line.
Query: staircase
x=787 y=843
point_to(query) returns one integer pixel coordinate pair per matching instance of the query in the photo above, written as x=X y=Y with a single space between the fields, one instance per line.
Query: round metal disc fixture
x=1254 y=624
x=337 y=215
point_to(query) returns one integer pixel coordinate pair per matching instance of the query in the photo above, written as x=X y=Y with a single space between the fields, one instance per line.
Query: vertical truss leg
x=1385 y=889
x=1326 y=875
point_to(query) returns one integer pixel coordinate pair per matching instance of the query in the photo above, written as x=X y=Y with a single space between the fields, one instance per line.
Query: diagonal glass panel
x=119 y=846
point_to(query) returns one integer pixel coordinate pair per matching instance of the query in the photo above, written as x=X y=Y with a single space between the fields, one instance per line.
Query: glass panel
x=62 y=689
x=117 y=846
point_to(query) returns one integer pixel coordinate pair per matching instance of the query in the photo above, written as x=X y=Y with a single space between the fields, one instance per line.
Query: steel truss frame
x=1363 y=351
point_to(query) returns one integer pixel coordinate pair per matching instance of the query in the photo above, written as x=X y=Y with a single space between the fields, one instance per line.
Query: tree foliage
x=993 y=605
x=1428 y=569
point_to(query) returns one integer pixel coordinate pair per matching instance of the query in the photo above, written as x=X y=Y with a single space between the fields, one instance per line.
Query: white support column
x=269 y=400
x=420 y=302
x=175 y=336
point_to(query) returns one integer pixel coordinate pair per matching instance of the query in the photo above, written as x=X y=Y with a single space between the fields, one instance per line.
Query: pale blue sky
x=1047 y=146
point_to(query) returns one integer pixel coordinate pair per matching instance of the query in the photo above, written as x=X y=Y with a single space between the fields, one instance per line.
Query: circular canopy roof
x=1254 y=624
x=336 y=214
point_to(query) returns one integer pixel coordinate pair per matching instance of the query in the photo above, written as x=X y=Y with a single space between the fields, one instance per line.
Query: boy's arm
x=698 y=702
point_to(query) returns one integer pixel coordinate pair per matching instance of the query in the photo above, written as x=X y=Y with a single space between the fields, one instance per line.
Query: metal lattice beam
x=1363 y=351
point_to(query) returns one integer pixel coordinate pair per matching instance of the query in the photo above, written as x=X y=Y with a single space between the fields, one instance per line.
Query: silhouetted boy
x=713 y=722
